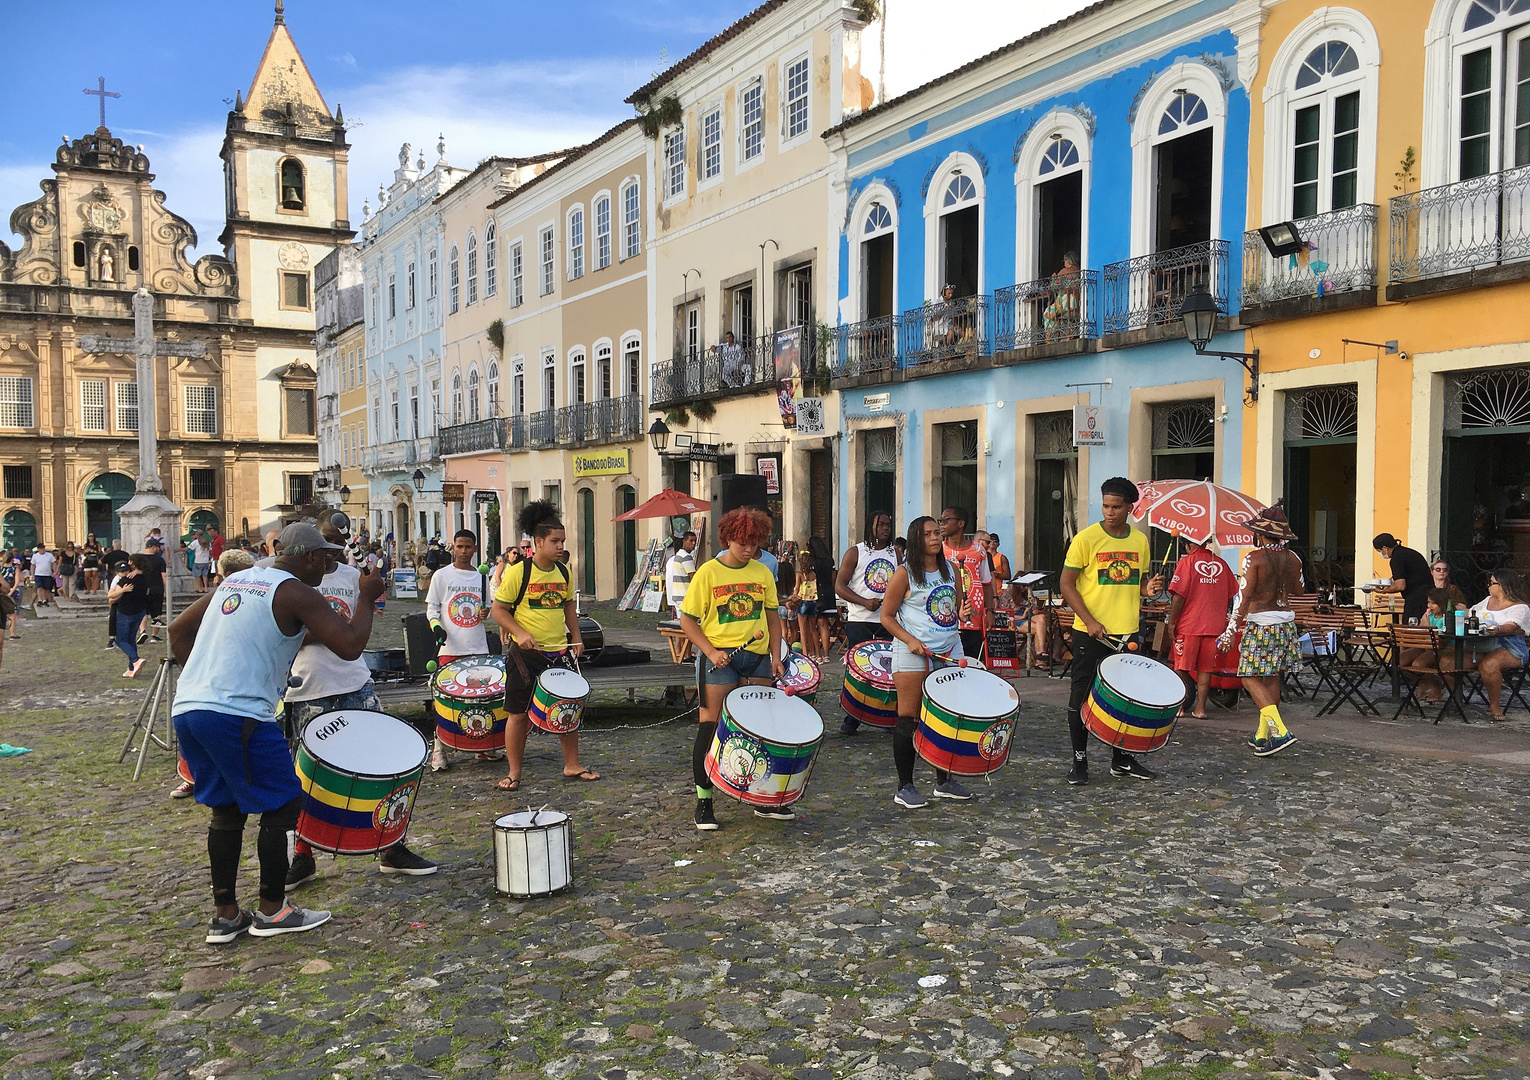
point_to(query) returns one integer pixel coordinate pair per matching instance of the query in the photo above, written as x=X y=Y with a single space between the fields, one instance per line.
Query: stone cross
x=144 y=348
x=102 y=93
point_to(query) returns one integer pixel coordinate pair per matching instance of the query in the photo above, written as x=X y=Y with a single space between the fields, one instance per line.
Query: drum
x=359 y=771
x=594 y=638
x=557 y=701
x=868 y=694
x=765 y=744
x=533 y=853
x=470 y=703
x=1133 y=704
x=966 y=721
x=801 y=676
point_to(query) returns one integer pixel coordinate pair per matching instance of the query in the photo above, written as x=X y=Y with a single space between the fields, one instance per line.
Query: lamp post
x=1199 y=313
x=658 y=435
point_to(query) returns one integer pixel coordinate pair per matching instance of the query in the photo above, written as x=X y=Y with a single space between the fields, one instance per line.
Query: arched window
x=954 y=228
x=456 y=397
x=1052 y=178
x=490 y=262
x=632 y=223
x=875 y=266
x=603 y=387
x=293 y=185
x=602 y=232
x=474 y=414
x=878 y=220
x=472 y=268
x=960 y=190
x=576 y=243
x=578 y=389
x=1490 y=99
x=453 y=280
x=493 y=382
x=1061 y=155
x=1177 y=160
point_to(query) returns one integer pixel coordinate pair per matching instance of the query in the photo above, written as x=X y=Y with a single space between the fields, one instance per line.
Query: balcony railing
x=392 y=456
x=1340 y=258
x=748 y=367
x=1460 y=227
x=607 y=420
x=1148 y=290
x=1065 y=307
x=869 y=347
x=946 y=331
x=543 y=429
x=475 y=437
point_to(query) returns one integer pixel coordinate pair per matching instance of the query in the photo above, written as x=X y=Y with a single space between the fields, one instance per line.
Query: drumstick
x=958 y=661
x=757 y=635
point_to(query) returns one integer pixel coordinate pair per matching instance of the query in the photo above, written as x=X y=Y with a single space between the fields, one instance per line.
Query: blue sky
x=495 y=78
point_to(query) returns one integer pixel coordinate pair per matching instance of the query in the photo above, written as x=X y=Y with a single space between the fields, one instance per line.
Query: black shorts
x=155 y=603
x=518 y=687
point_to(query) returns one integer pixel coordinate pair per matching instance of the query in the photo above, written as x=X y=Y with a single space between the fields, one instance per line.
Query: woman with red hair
x=729 y=614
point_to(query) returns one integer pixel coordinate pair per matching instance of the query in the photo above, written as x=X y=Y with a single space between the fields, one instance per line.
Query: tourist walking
x=1271 y=645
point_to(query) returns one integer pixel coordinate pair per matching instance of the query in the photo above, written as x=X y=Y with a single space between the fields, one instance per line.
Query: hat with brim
x=302 y=538
x=1271 y=522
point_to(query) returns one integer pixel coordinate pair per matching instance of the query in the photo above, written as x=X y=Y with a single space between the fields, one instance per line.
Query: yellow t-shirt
x=1110 y=576
x=541 y=609
x=730 y=604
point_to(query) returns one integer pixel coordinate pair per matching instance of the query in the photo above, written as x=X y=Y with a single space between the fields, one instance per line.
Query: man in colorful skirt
x=1271 y=644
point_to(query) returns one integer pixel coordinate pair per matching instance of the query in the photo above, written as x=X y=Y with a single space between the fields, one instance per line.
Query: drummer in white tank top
x=861 y=582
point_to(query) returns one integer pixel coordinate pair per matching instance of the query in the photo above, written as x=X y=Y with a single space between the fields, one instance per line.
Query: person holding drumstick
x=1103 y=582
x=455 y=606
x=920 y=611
x=534 y=605
x=729 y=614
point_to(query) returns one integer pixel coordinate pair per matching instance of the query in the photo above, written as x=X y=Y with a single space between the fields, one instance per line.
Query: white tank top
x=929 y=612
x=321 y=673
x=241 y=658
x=873 y=569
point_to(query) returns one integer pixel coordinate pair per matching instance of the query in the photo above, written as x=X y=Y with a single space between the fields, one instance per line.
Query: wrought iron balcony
x=475 y=437
x=1340 y=258
x=1148 y=290
x=947 y=331
x=749 y=367
x=1064 y=307
x=1457 y=228
x=869 y=347
x=616 y=419
x=542 y=429
x=394 y=456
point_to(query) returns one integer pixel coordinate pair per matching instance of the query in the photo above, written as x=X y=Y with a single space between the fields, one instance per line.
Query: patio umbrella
x=1196 y=510
x=667 y=503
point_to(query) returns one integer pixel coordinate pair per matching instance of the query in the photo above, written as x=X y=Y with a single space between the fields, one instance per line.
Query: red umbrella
x=1196 y=509
x=667 y=503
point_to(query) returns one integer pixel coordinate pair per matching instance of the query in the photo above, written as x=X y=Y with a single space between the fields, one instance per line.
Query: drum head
x=563 y=683
x=472 y=678
x=364 y=743
x=1145 y=681
x=801 y=673
x=774 y=715
x=522 y=819
x=971 y=692
x=872 y=661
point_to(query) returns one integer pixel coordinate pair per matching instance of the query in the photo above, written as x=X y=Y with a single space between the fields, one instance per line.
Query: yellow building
x=1394 y=135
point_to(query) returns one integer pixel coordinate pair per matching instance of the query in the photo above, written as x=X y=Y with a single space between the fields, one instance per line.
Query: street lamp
x=658 y=434
x=1199 y=313
x=345 y=495
x=419 y=480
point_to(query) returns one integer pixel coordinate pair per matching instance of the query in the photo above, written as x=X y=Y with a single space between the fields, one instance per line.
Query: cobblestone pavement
x=1331 y=911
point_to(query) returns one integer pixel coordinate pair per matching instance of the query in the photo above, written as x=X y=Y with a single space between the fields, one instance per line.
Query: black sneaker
x=775 y=813
x=222 y=931
x=143 y=637
x=303 y=869
x=1128 y=766
x=111 y=643
x=289 y=920
x=1079 y=774
x=950 y=789
x=704 y=819
x=849 y=725
x=400 y=860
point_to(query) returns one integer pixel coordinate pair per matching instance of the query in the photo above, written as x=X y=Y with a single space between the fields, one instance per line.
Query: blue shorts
x=744 y=665
x=809 y=609
x=256 y=776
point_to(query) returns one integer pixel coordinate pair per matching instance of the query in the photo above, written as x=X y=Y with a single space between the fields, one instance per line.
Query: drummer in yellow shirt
x=729 y=614
x=1104 y=580
x=534 y=606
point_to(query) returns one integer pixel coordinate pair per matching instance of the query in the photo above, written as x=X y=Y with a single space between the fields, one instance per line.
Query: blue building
x=1018 y=237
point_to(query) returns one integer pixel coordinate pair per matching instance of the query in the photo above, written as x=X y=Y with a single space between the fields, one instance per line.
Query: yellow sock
x=1271 y=714
x=1264 y=727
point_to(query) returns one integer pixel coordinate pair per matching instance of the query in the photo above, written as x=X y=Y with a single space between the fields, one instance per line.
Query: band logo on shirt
x=940 y=606
x=464 y=609
x=231 y=603
x=738 y=602
x=546 y=594
x=878 y=572
x=340 y=607
x=1117 y=568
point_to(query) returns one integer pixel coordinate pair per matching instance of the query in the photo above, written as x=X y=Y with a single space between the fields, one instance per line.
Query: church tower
x=284 y=181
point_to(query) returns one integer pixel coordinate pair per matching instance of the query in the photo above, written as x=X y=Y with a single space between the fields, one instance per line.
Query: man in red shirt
x=1203 y=587
x=970 y=561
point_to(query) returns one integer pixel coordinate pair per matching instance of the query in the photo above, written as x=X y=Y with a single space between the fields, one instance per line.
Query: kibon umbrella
x=1196 y=510
x=667 y=503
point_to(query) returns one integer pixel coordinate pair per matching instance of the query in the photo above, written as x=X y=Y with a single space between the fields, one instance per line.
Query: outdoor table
x=1453 y=693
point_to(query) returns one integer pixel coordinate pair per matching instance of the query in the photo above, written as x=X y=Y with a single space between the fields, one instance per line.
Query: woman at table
x=1505 y=615
x=1440 y=572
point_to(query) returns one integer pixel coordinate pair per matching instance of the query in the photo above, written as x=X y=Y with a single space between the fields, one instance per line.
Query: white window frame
x=409 y=293
x=632 y=219
x=578 y=376
x=472 y=268
x=674 y=163
x=394 y=414
x=934 y=210
x=875 y=194
x=492 y=385
x=392 y=297
x=453 y=280
x=433 y=280
x=1281 y=102
x=456 y=414
x=1028 y=180
x=414 y=409
x=748 y=130
x=789 y=139
x=574 y=223
x=547 y=255
x=632 y=363
x=490 y=260
x=600 y=211
x=517 y=273
x=92 y=401
x=549 y=367
x=1444 y=44
x=1200 y=80
x=518 y=386
x=603 y=370
x=125 y=402
x=474 y=397
x=709 y=165
x=201 y=418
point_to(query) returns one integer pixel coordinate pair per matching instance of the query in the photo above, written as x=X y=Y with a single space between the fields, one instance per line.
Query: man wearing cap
x=1271 y=646
x=235 y=646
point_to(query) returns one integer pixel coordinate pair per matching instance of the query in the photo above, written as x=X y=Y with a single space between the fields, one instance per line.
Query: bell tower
x=284 y=181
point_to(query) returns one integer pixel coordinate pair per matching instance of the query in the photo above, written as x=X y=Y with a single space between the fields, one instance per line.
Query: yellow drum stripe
x=361 y=806
x=1115 y=725
x=949 y=731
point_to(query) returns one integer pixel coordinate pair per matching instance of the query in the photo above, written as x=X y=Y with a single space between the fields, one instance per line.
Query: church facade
x=236 y=428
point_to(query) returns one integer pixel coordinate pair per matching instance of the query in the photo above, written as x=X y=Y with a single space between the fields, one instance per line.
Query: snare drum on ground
x=533 y=853
x=765 y=744
x=470 y=702
x=1133 y=704
x=557 y=701
x=360 y=772
x=966 y=721
x=868 y=694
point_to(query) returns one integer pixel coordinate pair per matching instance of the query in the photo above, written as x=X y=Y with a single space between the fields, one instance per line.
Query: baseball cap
x=302 y=538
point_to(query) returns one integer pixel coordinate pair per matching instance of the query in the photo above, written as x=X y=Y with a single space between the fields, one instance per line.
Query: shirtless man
x=1271 y=645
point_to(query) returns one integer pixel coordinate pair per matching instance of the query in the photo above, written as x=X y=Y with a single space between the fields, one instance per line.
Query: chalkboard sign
x=1002 y=651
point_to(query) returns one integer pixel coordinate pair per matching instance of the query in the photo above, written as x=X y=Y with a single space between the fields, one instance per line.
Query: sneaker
x=181 y=790
x=849 y=725
x=400 y=860
x=111 y=643
x=1275 y=744
x=1258 y=744
x=908 y=796
x=222 y=931
x=1079 y=774
x=438 y=762
x=705 y=822
x=1128 y=766
x=289 y=920
x=302 y=869
x=775 y=813
x=143 y=636
x=950 y=789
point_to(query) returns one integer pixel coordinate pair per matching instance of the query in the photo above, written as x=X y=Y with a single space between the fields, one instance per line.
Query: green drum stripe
x=1132 y=714
x=1107 y=694
x=345 y=784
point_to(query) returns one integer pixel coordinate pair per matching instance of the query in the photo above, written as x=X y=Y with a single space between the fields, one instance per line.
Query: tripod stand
x=149 y=715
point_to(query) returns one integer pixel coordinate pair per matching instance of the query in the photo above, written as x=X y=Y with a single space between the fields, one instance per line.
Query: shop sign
x=604 y=463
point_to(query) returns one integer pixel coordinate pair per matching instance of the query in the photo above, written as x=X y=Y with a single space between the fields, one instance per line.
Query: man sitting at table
x=1505 y=615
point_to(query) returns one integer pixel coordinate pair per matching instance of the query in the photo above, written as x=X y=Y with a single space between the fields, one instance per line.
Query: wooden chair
x=1416 y=639
x=1337 y=663
x=680 y=648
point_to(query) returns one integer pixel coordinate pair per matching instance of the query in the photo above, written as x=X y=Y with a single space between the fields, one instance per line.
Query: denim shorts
x=809 y=609
x=744 y=665
x=1515 y=644
x=904 y=660
x=786 y=614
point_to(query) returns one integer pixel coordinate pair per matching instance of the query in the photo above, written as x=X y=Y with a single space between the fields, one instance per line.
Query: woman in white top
x=1506 y=611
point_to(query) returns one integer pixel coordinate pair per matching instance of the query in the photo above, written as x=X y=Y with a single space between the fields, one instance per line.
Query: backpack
x=526 y=581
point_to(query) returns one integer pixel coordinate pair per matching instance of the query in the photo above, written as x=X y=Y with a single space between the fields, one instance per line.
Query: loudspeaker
x=419 y=643
x=730 y=491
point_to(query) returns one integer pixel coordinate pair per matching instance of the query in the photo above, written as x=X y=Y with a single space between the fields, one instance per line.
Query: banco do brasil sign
x=610 y=463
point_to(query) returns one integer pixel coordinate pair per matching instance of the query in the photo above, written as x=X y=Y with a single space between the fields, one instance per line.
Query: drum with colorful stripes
x=868 y=694
x=557 y=700
x=470 y=703
x=966 y=721
x=1133 y=704
x=359 y=771
x=801 y=676
x=765 y=744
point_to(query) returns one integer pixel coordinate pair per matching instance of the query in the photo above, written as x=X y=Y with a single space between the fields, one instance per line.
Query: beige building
x=236 y=428
x=545 y=358
x=341 y=343
x=742 y=221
